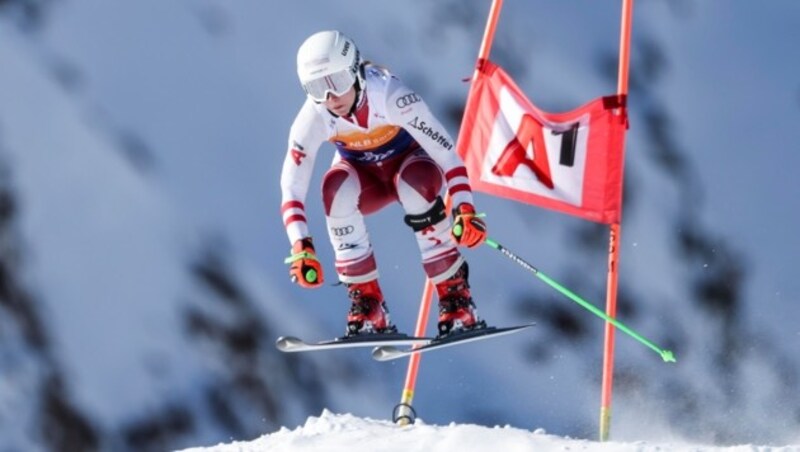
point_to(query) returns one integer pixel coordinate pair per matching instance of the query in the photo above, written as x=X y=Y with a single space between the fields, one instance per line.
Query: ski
x=290 y=344
x=388 y=352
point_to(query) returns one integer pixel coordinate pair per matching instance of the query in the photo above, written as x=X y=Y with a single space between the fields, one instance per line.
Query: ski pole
x=666 y=355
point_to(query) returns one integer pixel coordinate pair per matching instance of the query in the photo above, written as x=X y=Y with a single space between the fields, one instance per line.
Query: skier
x=390 y=148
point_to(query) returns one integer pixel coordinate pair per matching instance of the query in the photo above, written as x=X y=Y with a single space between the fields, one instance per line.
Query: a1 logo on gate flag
x=571 y=162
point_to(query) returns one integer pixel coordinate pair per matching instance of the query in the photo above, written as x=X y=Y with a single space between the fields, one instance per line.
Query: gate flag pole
x=403 y=412
x=614 y=239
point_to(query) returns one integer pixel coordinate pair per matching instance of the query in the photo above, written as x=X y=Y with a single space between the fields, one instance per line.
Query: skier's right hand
x=304 y=267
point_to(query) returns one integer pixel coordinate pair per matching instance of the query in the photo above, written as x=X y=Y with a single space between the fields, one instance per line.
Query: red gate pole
x=403 y=413
x=614 y=241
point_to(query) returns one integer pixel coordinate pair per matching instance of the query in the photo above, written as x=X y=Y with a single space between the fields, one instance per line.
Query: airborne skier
x=389 y=148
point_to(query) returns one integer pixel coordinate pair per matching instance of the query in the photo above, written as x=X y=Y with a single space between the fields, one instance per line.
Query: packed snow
x=332 y=432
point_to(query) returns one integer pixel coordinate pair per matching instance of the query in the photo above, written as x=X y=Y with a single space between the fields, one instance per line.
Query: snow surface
x=347 y=433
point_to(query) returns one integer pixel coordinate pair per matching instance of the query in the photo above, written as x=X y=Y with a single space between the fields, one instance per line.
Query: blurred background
x=142 y=283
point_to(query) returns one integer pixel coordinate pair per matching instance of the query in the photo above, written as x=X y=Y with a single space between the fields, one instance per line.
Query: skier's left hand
x=468 y=229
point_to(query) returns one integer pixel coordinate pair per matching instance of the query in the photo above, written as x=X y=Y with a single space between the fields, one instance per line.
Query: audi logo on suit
x=342 y=231
x=408 y=99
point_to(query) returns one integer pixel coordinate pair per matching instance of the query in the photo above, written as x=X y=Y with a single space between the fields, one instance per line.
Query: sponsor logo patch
x=407 y=100
x=342 y=231
x=429 y=132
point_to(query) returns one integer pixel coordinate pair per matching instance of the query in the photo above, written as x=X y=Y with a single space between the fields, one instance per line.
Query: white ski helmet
x=328 y=62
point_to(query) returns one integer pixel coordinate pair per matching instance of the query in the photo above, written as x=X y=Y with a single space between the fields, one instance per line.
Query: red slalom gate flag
x=570 y=162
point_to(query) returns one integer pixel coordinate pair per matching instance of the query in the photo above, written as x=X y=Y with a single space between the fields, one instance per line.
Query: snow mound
x=347 y=433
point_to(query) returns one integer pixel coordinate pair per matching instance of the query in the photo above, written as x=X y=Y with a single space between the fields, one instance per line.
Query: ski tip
x=287 y=343
x=385 y=353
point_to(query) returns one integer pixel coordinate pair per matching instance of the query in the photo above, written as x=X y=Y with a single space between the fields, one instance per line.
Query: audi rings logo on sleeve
x=342 y=231
x=408 y=99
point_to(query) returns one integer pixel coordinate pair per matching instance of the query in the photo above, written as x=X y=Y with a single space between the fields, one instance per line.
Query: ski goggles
x=337 y=84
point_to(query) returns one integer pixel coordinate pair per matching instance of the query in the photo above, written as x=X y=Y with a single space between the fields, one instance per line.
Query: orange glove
x=468 y=229
x=305 y=269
